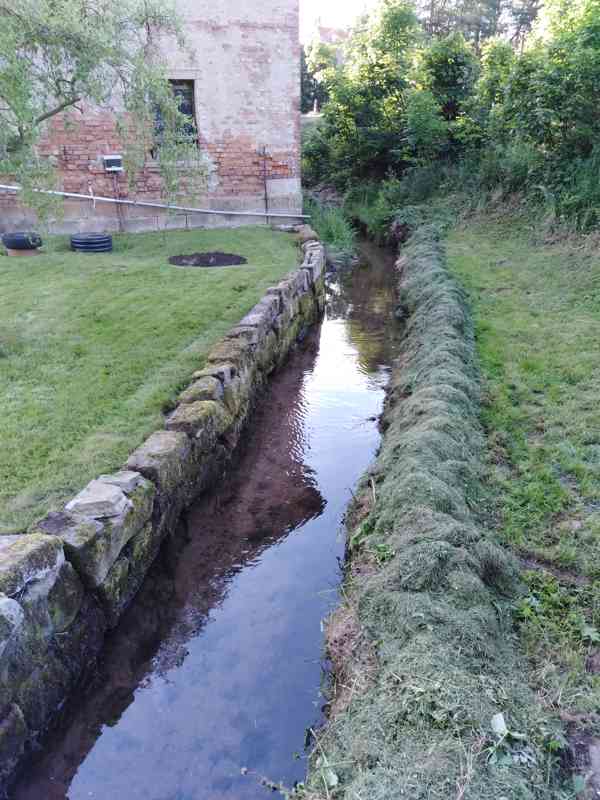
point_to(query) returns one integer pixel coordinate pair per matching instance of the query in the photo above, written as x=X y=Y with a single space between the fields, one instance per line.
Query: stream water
x=218 y=664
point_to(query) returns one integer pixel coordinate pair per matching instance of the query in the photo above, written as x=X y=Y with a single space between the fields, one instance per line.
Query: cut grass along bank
x=467 y=652
x=429 y=698
x=93 y=350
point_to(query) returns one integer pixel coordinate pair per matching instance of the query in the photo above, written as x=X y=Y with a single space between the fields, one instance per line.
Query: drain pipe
x=263 y=153
x=146 y=204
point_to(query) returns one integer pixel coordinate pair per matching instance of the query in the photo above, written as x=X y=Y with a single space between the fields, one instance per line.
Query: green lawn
x=537 y=312
x=93 y=348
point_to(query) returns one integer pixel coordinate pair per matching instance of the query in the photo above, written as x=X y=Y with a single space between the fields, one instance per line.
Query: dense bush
x=413 y=113
x=366 y=109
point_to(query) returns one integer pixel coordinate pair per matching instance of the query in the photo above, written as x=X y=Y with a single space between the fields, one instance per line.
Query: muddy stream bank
x=218 y=663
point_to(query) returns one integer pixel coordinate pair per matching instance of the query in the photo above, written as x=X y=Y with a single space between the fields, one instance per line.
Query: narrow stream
x=218 y=664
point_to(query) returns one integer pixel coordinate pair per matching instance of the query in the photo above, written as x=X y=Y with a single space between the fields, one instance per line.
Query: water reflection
x=217 y=664
x=362 y=299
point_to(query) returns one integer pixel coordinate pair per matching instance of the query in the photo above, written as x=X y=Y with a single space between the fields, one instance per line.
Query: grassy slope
x=92 y=348
x=537 y=314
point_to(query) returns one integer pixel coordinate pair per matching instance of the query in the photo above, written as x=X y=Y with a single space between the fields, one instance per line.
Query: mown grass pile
x=446 y=712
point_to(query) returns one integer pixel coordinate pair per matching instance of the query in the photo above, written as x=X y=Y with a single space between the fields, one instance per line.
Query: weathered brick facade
x=244 y=60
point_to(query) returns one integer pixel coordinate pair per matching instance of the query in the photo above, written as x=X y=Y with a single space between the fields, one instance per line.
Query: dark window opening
x=183 y=92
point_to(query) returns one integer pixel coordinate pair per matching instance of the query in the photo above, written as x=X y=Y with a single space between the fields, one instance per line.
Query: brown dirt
x=353 y=662
x=563 y=575
x=584 y=756
x=216 y=259
x=358 y=510
x=592 y=663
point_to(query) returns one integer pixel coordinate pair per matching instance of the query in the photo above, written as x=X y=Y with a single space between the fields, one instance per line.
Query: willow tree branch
x=70 y=101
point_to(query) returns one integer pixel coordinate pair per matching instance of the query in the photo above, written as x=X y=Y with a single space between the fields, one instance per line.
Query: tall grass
x=334 y=229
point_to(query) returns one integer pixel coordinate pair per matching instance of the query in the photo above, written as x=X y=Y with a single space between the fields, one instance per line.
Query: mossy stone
x=26 y=558
x=205 y=420
x=163 y=459
x=206 y=388
x=65 y=598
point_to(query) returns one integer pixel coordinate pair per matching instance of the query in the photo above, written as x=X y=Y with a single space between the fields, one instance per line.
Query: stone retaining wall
x=69 y=579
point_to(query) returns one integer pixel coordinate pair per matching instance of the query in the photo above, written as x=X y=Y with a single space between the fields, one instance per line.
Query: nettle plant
x=60 y=56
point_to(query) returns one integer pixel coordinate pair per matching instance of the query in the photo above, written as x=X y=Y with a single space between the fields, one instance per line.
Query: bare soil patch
x=216 y=259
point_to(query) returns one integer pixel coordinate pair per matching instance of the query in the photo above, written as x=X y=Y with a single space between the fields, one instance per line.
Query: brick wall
x=244 y=60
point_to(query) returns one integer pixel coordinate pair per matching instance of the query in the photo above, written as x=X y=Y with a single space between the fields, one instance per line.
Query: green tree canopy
x=367 y=105
x=449 y=69
x=318 y=61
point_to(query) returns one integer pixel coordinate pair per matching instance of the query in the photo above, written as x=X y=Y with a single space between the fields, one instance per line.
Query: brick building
x=239 y=76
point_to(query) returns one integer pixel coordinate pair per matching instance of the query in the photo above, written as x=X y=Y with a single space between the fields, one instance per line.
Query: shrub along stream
x=437 y=97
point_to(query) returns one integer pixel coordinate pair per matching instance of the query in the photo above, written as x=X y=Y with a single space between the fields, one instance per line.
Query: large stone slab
x=205 y=388
x=302 y=280
x=292 y=332
x=308 y=308
x=38 y=588
x=41 y=598
x=253 y=334
x=314 y=262
x=115 y=592
x=261 y=316
x=99 y=500
x=165 y=458
x=93 y=544
x=127 y=574
x=222 y=371
x=269 y=305
x=205 y=421
x=126 y=480
x=286 y=290
x=65 y=599
x=239 y=392
x=12 y=618
x=232 y=351
x=238 y=383
x=268 y=356
x=27 y=559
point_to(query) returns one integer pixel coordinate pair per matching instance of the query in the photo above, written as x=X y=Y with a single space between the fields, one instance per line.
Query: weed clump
x=334 y=230
x=446 y=711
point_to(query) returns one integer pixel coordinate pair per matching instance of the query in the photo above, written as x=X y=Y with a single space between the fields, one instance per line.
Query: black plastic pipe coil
x=92 y=243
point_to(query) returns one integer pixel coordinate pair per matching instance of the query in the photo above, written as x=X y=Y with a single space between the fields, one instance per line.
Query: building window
x=184 y=94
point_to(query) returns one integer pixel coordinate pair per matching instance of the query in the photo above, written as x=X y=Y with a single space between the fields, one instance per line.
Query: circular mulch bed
x=208 y=260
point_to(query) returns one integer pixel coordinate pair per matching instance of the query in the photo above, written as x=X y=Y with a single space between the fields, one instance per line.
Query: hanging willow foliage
x=74 y=56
